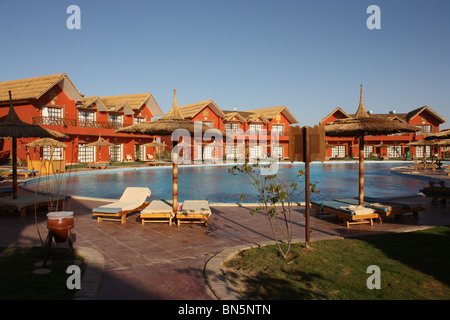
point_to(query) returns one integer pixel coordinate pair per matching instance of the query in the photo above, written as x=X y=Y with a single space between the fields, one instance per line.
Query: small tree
x=275 y=197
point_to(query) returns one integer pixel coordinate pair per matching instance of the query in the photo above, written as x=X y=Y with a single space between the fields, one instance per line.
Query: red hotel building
x=54 y=102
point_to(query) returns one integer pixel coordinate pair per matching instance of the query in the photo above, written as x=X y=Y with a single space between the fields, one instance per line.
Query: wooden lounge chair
x=157 y=211
x=30 y=201
x=437 y=192
x=387 y=208
x=447 y=170
x=25 y=173
x=132 y=200
x=424 y=165
x=350 y=214
x=98 y=165
x=194 y=211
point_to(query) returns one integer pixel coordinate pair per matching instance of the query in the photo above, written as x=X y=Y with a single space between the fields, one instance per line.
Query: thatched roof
x=191 y=110
x=265 y=114
x=100 y=142
x=46 y=142
x=128 y=103
x=422 y=143
x=36 y=87
x=444 y=134
x=363 y=124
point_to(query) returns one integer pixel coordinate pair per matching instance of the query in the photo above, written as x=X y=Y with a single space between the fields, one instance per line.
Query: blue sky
x=310 y=56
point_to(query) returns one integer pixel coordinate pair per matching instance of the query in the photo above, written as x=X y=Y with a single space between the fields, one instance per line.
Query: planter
x=59 y=224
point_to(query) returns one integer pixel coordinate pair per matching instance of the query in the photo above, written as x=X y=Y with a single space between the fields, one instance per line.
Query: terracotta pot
x=59 y=224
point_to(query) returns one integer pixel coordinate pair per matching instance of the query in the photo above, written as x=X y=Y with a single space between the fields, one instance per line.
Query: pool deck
x=156 y=261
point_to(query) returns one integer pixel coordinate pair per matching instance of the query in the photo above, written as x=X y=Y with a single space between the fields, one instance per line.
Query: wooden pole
x=307 y=201
x=175 y=181
x=361 y=171
x=14 y=168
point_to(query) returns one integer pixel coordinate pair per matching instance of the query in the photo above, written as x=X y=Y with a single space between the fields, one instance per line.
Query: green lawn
x=413 y=266
x=18 y=282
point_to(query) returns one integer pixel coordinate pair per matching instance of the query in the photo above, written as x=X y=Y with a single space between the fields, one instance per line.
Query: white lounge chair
x=132 y=200
x=157 y=211
x=194 y=211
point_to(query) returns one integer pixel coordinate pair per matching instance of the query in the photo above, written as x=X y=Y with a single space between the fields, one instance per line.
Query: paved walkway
x=162 y=262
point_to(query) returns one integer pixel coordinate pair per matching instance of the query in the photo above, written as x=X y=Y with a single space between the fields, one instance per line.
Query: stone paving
x=161 y=262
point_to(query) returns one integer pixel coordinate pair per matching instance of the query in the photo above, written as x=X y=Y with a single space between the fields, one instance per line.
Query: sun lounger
x=157 y=211
x=387 y=208
x=30 y=201
x=350 y=214
x=98 y=165
x=424 y=165
x=25 y=173
x=447 y=170
x=437 y=192
x=132 y=200
x=194 y=211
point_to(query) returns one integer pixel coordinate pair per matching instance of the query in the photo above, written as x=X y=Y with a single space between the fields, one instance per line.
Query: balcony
x=65 y=122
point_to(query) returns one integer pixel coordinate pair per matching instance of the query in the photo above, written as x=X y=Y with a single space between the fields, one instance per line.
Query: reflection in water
x=334 y=180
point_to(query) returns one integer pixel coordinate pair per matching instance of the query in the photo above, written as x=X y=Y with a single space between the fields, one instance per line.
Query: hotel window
x=338 y=152
x=255 y=152
x=57 y=153
x=52 y=115
x=139 y=152
x=85 y=154
x=231 y=152
x=423 y=130
x=208 y=152
x=255 y=128
x=115 y=153
x=367 y=151
x=278 y=129
x=86 y=118
x=394 y=151
x=423 y=151
x=278 y=152
x=115 y=120
x=232 y=126
x=138 y=120
x=209 y=123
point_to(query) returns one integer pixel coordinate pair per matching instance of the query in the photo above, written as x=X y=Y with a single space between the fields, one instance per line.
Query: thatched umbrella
x=155 y=144
x=444 y=134
x=12 y=127
x=100 y=143
x=47 y=142
x=165 y=126
x=363 y=124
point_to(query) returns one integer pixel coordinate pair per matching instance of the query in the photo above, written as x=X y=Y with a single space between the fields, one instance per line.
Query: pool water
x=213 y=183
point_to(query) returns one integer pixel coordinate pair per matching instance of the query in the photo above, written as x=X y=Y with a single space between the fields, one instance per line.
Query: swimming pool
x=213 y=183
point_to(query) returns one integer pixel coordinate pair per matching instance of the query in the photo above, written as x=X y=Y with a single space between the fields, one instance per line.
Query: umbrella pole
x=175 y=181
x=14 y=166
x=361 y=171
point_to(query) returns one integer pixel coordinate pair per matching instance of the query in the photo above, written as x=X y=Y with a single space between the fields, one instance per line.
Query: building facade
x=387 y=146
x=251 y=134
x=54 y=102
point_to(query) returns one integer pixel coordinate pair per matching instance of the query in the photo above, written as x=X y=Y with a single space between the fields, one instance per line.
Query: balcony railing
x=65 y=122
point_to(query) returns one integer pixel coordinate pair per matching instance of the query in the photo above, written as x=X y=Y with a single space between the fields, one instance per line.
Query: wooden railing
x=65 y=122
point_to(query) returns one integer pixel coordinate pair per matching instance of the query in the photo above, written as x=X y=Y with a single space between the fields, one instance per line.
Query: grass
x=18 y=282
x=413 y=266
